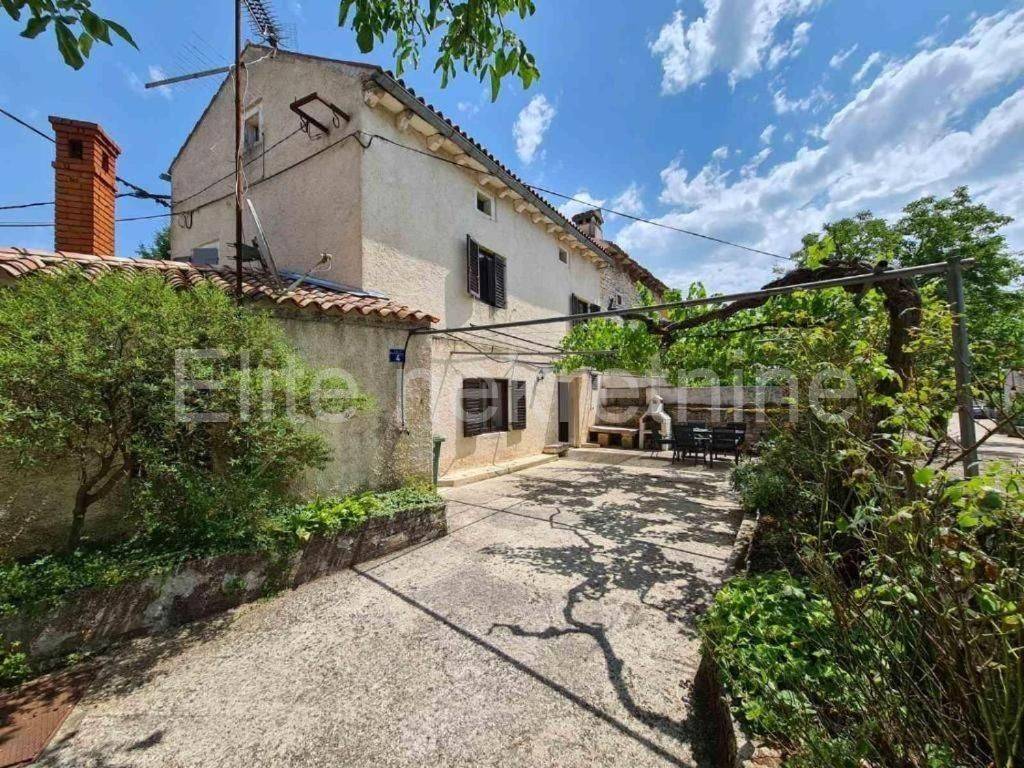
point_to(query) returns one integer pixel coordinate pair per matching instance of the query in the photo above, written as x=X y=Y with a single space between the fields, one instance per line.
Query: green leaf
x=35 y=26
x=924 y=476
x=121 y=32
x=12 y=9
x=67 y=43
x=495 y=84
x=95 y=26
x=364 y=38
x=85 y=43
x=343 y=10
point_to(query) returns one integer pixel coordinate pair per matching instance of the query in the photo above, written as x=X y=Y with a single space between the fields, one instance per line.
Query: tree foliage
x=160 y=247
x=75 y=25
x=88 y=381
x=473 y=35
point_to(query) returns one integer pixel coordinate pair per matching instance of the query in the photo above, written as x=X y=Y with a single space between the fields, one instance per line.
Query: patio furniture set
x=695 y=438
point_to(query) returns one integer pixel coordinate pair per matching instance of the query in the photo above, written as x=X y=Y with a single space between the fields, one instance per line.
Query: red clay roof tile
x=16 y=262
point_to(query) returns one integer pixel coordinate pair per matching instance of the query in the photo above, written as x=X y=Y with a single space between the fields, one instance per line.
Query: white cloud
x=297 y=10
x=781 y=52
x=721 y=153
x=582 y=201
x=531 y=125
x=629 y=201
x=139 y=86
x=923 y=125
x=840 y=57
x=468 y=108
x=738 y=37
x=814 y=100
x=869 y=62
x=767 y=133
x=750 y=168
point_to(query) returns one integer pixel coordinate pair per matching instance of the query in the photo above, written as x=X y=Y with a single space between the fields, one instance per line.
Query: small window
x=485 y=204
x=75 y=149
x=252 y=131
x=105 y=162
x=563 y=255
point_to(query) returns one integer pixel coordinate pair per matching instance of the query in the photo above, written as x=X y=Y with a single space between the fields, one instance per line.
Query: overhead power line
x=536 y=188
x=139 y=191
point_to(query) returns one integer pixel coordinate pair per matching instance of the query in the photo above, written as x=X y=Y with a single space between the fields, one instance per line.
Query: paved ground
x=554 y=626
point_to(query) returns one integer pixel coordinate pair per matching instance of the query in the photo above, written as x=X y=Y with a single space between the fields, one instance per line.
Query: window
x=485 y=274
x=563 y=255
x=578 y=306
x=615 y=301
x=76 y=149
x=485 y=204
x=252 y=131
x=105 y=162
x=208 y=253
x=492 y=405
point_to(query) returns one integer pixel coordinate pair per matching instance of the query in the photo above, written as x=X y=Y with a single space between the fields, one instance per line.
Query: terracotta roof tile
x=16 y=262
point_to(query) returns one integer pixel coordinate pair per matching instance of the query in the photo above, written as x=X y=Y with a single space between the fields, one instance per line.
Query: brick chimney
x=589 y=223
x=86 y=184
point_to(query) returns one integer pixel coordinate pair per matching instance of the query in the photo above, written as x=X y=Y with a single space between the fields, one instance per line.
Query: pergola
x=952 y=271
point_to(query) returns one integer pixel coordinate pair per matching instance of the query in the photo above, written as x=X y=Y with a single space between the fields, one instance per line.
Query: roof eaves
x=474 y=149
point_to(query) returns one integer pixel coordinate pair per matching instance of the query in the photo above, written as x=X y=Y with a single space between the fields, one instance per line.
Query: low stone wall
x=94 y=618
x=731 y=746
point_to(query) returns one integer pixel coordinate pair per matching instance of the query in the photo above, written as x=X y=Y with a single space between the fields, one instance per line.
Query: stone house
x=348 y=330
x=341 y=158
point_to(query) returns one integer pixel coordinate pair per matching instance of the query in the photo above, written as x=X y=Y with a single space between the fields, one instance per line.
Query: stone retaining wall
x=94 y=618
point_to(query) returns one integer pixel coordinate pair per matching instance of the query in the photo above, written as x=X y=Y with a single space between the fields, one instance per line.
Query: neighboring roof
x=17 y=262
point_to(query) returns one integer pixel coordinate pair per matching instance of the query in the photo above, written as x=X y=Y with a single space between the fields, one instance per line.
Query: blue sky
x=751 y=120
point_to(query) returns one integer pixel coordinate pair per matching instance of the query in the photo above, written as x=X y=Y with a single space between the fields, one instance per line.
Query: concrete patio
x=555 y=625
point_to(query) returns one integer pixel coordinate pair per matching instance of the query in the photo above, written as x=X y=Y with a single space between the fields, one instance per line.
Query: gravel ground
x=554 y=626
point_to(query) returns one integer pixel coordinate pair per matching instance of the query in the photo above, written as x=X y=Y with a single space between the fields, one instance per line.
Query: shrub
x=117 y=405
x=46 y=582
x=14 y=664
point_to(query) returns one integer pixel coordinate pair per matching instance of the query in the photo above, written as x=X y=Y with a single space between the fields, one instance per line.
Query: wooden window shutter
x=517 y=395
x=498 y=274
x=473 y=404
x=472 y=267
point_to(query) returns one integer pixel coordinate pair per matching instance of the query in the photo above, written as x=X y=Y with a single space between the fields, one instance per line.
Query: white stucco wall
x=307 y=209
x=417 y=212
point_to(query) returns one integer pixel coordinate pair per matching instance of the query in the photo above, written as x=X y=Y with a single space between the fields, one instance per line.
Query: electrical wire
x=537 y=189
x=140 y=192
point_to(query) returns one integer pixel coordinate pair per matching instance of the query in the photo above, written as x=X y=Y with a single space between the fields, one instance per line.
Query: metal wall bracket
x=337 y=114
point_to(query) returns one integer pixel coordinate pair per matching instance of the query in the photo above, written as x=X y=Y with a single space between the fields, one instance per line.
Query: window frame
x=563 y=255
x=492 y=204
x=256 y=111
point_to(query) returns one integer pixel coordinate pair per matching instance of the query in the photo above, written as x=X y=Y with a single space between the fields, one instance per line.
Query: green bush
x=14 y=664
x=46 y=582
x=336 y=515
x=764 y=490
x=123 y=359
x=774 y=641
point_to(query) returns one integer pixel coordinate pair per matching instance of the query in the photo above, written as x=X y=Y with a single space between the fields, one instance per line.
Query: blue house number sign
x=396 y=356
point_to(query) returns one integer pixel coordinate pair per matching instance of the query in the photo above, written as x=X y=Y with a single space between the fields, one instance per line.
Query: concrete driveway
x=554 y=626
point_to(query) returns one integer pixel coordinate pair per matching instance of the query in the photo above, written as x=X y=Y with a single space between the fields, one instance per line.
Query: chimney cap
x=66 y=124
x=584 y=216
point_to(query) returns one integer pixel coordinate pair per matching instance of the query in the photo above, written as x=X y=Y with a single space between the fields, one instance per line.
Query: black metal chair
x=685 y=441
x=726 y=441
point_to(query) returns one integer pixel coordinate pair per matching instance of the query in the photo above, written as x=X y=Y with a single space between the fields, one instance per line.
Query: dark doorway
x=563 y=412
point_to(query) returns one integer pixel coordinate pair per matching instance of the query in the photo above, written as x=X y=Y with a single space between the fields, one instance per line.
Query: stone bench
x=614 y=436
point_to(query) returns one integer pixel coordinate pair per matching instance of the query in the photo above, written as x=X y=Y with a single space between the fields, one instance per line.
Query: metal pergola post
x=962 y=366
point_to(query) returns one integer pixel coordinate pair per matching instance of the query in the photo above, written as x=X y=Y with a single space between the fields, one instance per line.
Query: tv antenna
x=261 y=244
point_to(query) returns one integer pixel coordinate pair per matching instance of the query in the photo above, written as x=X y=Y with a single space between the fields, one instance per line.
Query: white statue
x=655 y=411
